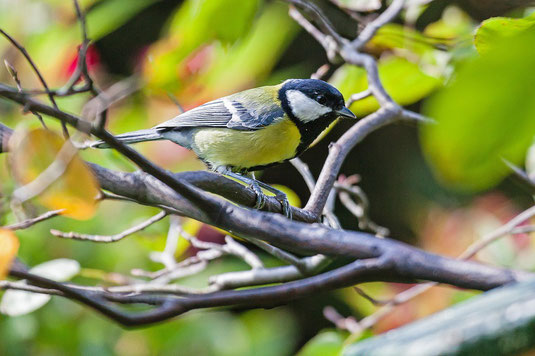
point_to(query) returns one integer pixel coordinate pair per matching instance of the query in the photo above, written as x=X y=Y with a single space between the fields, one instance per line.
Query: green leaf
x=253 y=57
x=216 y=46
x=200 y=21
x=497 y=29
x=111 y=14
x=402 y=79
x=398 y=36
x=327 y=343
x=485 y=114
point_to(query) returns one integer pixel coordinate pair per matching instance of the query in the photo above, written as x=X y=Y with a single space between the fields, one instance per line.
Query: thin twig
x=110 y=238
x=321 y=71
x=496 y=234
x=371 y=28
x=167 y=256
x=28 y=288
x=358 y=96
x=522 y=176
x=329 y=43
x=359 y=210
x=321 y=20
x=13 y=72
x=350 y=323
x=235 y=248
x=369 y=298
x=81 y=69
x=38 y=73
x=29 y=222
x=95 y=108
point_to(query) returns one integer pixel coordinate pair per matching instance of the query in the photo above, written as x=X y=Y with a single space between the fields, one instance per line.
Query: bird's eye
x=321 y=99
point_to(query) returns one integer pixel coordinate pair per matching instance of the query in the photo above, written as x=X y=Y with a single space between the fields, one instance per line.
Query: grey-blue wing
x=247 y=110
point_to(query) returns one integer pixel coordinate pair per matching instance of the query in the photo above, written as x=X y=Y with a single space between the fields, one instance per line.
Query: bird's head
x=309 y=100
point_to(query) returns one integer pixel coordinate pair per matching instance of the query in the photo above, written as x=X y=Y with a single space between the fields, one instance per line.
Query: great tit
x=252 y=129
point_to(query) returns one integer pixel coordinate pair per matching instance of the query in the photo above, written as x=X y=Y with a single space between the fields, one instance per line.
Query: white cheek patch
x=305 y=108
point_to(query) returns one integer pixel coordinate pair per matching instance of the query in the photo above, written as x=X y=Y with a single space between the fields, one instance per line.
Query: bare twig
x=360 y=210
x=37 y=72
x=237 y=249
x=321 y=71
x=110 y=238
x=369 y=298
x=350 y=324
x=167 y=256
x=96 y=107
x=81 y=70
x=496 y=234
x=159 y=288
x=231 y=247
x=262 y=276
x=329 y=43
x=358 y=96
x=521 y=176
x=30 y=222
x=28 y=288
x=371 y=28
x=321 y=20
x=13 y=72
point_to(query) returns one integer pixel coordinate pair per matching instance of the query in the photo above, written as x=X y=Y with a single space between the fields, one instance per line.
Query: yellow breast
x=245 y=149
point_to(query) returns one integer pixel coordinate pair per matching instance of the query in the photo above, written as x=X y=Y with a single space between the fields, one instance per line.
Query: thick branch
x=411 y=263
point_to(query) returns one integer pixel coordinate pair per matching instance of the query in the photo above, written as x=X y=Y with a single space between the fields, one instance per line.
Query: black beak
x=345 y=112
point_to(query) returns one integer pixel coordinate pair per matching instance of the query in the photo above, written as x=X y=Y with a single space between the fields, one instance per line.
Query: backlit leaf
x=485 y=114
x=9 y=244
x=75 y=191
x=327 y=343
x=497 y=29
x=399 y=36
x=111 y=14
x=402 y=79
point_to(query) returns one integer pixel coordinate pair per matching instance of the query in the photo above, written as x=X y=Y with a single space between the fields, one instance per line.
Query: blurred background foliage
x=477 y=82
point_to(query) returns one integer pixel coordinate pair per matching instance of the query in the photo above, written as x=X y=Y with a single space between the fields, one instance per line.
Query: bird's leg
x=280 y=196
x=252 y=183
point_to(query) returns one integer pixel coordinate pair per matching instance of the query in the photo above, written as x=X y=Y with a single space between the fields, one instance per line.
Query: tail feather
x=132 y=137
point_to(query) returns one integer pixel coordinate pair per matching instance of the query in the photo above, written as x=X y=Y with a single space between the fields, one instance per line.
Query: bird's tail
x=132 y=137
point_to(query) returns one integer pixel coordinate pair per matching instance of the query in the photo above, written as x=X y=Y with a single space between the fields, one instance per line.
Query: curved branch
x=410 y=263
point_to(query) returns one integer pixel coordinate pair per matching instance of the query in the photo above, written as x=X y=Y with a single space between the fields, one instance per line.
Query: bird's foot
x=281 y=198
x=285 y=205
x=260 y=196
x=257 y=186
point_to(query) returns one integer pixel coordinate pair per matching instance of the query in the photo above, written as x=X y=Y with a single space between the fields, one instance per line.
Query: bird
x=252 y=130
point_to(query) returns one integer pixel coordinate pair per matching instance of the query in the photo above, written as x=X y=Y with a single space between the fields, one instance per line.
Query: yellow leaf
x=9 y=244
x=75 y=190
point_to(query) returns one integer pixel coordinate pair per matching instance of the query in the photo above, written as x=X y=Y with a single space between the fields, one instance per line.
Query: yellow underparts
x=245 y=149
